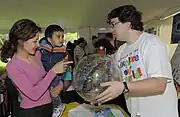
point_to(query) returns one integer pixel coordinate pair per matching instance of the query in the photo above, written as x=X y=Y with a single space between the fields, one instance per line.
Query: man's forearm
x=147 y=87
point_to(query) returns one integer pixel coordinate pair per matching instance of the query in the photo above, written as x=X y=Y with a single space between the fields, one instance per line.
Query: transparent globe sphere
x=91 y=71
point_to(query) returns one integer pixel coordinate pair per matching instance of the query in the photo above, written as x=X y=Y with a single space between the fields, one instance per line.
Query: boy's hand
x=56 y=90
x=60 y=67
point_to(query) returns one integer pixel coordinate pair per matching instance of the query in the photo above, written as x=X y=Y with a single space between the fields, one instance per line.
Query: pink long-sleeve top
x=32 y=82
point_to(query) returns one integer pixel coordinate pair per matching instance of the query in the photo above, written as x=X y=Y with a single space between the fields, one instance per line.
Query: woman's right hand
x=60 y=67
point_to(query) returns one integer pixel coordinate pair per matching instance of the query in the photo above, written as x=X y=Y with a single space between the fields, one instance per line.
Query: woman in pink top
x=26 y=71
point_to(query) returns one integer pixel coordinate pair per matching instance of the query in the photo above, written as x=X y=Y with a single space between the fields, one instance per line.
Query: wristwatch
x=126 y=89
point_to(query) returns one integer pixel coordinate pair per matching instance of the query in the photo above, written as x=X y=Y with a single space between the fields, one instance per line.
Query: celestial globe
x=91 y=71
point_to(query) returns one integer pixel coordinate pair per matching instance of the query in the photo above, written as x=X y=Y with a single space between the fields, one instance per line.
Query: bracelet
x=126 y=89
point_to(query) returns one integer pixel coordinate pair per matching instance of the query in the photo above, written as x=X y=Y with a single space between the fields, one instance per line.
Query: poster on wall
x=175 y=36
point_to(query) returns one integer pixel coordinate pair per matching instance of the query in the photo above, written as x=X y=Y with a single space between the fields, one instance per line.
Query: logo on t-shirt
x=129 y=65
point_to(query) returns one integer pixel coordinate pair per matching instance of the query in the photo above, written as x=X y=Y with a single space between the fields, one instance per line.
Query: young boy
x=53 y=51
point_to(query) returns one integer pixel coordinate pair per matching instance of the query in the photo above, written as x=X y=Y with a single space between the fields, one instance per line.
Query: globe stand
x=86 y=110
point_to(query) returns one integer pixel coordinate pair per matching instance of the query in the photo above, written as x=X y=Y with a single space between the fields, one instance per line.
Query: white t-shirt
x=146 y=58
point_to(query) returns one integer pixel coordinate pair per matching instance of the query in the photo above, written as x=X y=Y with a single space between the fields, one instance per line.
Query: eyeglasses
x=112 y=25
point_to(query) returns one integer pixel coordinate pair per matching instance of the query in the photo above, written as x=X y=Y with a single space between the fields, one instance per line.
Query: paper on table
x=85 y=110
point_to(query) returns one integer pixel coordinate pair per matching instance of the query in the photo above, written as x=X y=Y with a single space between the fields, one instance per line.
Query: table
x=75 y=104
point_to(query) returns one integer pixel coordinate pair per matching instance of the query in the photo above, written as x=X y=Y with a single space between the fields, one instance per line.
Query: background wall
x=163 y=27
x=165 y=34
x=164 y=31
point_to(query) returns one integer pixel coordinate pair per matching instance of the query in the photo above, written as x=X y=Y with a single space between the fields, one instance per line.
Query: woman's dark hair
x=23 y=29
x=127 y=13
x=51 y=29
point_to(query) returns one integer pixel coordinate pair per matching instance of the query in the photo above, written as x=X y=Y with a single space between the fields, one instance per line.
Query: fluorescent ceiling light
x=169 y=16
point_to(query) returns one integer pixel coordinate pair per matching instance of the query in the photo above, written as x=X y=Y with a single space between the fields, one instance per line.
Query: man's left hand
x=115 y=88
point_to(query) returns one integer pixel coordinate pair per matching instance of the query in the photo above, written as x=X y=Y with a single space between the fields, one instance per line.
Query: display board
x=175 y=63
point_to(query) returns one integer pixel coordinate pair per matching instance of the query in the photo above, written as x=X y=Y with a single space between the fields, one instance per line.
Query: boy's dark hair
x=51 y=29
x=127 y=13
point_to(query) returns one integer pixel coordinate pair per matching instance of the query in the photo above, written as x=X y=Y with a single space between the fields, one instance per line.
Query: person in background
x=106 y=44
x=53 y=51
x=145 y=67
x=75 y=42
x=94 y=39
x=70 y=49
x=26 y=71
x=79 y=51
x=110 y=38
x=93 y=48
x=117 y=43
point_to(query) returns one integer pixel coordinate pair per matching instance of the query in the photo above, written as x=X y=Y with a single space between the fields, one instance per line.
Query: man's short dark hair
x=51 y=29
x=94 y=37
x=127 y=13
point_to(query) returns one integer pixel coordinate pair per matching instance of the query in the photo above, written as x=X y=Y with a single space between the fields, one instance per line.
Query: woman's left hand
x=115 y=88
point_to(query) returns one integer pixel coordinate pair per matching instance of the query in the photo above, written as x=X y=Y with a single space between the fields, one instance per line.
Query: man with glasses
x=145 y=66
